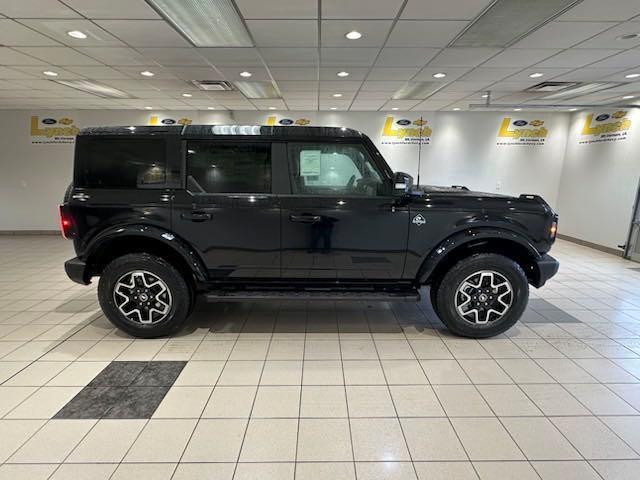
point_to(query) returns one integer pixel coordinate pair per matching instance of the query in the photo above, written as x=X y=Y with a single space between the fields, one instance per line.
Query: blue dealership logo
x=49 y=121
x=602 y=117
x=404 y=122
x=168 y=121
x=520 y=123
x=286 y=121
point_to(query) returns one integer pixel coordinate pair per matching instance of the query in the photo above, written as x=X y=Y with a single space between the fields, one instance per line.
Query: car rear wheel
x=482 y=296
x=144 y=295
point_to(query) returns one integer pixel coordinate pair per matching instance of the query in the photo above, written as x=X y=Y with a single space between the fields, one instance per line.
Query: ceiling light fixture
x=395 y=108
x=272 y=108
x=628 y=36
x=77 y=34
x=455 y=109
x=257 y=90
x=49 y=73
x=353 y=35
x=417 y=90
x=148 y=108
x=628 y=97
x=147 y=73
x=485 y=95
x=536 y=75
x=342 y=74
x=211 y=108
x=517 y=109
x=632 y=75
x=187 y=95
x=333 y=108
x=337 y=95
x=439 y=75
x=98 y=89
x=205 y=23
x=245 y=74
x=573 y=109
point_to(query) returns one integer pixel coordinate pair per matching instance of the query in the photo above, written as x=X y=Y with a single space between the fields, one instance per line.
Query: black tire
x=181 y=294
x=446 y=295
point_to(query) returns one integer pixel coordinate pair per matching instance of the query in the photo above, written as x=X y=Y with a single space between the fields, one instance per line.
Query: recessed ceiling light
x=517 y=109
x=632 y=75
x=211 y=108
x=536 y=75
x=272 y=108
x=148 y=108
x=628 y=36
x=337 y=95
x=94 y=88
x=628 y=97
x=394 y=108
x=187 y=95
x=573 y=109
x=77 y=34
x=456 y=109
x=333 y=108
x=49 y=73
x=439 y=75
x=485 y=95
x=353 y=35
x=147 y=73
x=245 y=74
x=342 y=74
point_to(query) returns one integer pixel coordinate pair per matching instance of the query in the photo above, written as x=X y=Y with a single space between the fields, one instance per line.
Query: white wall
x=463 y=150
x=599 y=183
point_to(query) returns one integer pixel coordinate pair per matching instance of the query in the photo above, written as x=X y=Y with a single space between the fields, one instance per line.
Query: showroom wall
x=482 y=150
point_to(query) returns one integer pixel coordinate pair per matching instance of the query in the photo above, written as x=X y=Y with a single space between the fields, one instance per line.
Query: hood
x=454 y=189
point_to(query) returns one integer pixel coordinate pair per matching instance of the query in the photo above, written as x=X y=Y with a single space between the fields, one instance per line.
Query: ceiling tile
x=115 y=55
x=381 y=86
x=265 y=104
x=430 y=105
x=227 y=56
x=360 y=8
x=489 y=74
x=58 y=55
x=174 y=56
x=547 y=74
x=597 y=10
x=35 y=9
x=374 y=32
x=258 y=74
x=355 y=73
x=101 y=72
x=326 y=104
x=295 y=73
x=357 y=57
x=395 y=73
x=13 y=57
x=520 y=57
x=297 y=86
x=426 y=74
x=400 y=104
x=466 y=86
x=110 y=9
x=424 y=33
x=405 y=57
x=366 y=105
x=621 y=60
x=13 y=34
x=251 y=9
x=195 y=73
x=96 y=36
x=339 y=86
x=12 y=74
x=576 y=57
x=134 y=72
x=444 y=10
x=36 y=71
x=463 y=57
x=285 y=57
x=562 y=34
x=144 y=33
x=591 y=75
x=610 y=38
x=284 y=33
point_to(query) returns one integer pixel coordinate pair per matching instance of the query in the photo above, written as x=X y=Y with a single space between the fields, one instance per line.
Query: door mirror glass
x=402 y=183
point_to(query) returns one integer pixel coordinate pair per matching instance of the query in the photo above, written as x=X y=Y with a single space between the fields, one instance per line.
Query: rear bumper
x=77 y=271
x=547 y=267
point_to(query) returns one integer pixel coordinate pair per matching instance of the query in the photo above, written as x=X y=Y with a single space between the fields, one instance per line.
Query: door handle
x=305 y=218
x=196 y=216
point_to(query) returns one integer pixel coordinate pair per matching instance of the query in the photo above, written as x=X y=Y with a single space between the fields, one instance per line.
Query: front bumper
x=547 y=267
x=77 y=271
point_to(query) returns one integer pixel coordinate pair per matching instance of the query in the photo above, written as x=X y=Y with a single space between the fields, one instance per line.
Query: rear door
x=227 y=210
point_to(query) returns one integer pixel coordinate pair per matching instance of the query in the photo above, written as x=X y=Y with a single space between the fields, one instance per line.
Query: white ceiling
x=300 y=46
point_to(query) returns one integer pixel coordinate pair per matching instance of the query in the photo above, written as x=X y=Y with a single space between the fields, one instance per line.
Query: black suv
x=240 y=213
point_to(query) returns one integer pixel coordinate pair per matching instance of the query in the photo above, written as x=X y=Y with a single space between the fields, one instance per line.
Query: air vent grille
x=551 y=86
x=213 y=85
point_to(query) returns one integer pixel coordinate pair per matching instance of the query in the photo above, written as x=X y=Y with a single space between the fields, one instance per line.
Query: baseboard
x=595 y=246
x=29 y=232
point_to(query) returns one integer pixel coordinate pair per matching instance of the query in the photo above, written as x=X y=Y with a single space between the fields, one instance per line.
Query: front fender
x=158 y=234
x=468 y=236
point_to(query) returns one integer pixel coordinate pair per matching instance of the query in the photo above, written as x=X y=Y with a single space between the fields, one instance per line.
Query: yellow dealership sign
x=405 y=132
x=522 y=132
x=48 y=130
x=605 y=127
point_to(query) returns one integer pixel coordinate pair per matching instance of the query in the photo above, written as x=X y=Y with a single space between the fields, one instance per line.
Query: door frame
x=634 y=228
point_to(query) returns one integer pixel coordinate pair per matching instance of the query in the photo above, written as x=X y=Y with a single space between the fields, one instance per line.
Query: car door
x=340 y=220
x=227 y=210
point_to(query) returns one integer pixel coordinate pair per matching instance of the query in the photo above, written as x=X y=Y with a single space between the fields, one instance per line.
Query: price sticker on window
x=310 y=161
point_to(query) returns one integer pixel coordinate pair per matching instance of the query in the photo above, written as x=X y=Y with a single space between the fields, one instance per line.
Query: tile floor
x=321 y=390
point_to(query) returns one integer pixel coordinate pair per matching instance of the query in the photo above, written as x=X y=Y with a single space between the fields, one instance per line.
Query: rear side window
x=228 y=167
x=121 y=163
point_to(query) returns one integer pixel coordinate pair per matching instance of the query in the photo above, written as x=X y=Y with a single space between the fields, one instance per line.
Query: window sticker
x=310 y=161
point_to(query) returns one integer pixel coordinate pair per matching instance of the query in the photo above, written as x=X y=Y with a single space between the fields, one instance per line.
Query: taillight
x=553 y=230
x=66 y=224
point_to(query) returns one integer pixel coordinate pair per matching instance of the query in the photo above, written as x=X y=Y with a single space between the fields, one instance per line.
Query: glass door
x=633 y=245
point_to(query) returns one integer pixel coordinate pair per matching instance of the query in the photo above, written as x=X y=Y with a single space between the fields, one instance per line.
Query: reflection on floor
x=320 y=390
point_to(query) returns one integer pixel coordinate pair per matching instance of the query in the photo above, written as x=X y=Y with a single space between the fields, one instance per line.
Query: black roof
x=225 y=130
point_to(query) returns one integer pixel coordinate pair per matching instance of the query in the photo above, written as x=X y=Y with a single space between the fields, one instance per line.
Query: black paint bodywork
x=282 y=239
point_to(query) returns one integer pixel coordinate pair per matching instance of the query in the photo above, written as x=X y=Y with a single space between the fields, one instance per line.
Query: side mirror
x=402 y=183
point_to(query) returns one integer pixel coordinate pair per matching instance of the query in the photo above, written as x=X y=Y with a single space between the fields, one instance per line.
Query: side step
x=326 y=295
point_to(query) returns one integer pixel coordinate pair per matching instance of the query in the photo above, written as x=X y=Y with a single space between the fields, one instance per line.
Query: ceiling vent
x=550 y=87
x=213 y=85
x=565 y=90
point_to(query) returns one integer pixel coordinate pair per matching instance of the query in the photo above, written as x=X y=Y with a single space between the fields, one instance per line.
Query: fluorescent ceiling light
x=536 y=75
x=245 y=74
x=87 y=86
x=439 y=75
x=517 y=109
x=485 y=95
x=582 y=89
x=573 y=109
x=272 y=108
x=342 y=74
x=632 y=75
x=417 y=90
x=353 y=35
x=256 y=90
x=187 y=95
x=148 y=108
x=337 y=95
x=77 y=34
x=629 y=97
x=211 y=108
x=147 y=73
x=628 y=36
x=333 y=108
x=49 y=73
x=395 y=108
x=205 y=23
x=455 y=109
x=505 y=22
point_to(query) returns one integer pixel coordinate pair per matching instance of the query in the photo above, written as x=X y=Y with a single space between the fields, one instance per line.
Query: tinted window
x=121 y=163
x=228 y=167
x=333 y=169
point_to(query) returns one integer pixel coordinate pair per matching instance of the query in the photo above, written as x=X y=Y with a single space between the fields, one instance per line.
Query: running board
x=326 y=295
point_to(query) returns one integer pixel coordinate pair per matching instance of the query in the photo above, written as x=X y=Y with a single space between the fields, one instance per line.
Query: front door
x=227 y=210
x=341 y=221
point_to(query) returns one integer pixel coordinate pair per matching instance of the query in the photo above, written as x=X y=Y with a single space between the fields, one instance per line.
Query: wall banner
x=522 y=132
x=404 y=131
x=164 y=120
x=274 y=121
x=58 y=129
x=605 y=127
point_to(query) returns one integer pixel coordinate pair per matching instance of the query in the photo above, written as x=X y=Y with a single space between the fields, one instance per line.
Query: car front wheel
x=144 y=295
x=482 y=295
